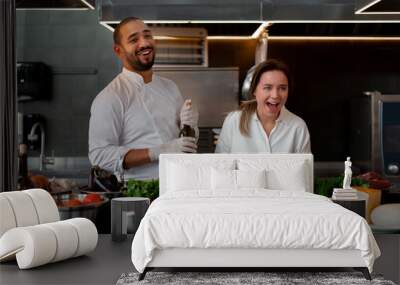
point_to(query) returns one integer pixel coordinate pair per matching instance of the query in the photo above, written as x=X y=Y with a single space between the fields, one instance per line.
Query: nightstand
x=358 y=205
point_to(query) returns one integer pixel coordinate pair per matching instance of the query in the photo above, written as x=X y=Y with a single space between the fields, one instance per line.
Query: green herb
x=359 y=182
x=142 y=188
x=324 y=185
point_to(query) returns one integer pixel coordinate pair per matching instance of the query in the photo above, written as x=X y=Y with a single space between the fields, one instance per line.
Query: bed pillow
x=251 y=178
x=183 y=178
x=223 y=179
x=227 y=179
x=190 y=175
x=281 y=174
x=292 y=179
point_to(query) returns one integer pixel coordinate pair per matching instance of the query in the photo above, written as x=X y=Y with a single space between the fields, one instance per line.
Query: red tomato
x=92 y=198
x=72 y=203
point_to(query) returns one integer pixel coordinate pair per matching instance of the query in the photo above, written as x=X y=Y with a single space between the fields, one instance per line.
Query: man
x=138 y=115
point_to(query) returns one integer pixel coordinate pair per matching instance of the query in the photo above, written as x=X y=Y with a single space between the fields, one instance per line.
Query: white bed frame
x=250 y=258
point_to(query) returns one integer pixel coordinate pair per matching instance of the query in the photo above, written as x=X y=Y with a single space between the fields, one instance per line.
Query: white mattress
x=252 y=218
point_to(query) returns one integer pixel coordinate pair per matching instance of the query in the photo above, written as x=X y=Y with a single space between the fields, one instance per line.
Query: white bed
x=247 y=210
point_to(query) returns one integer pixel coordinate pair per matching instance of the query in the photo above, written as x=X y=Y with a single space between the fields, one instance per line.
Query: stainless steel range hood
x=182 y=10
x=237 y=10
x=55 y=4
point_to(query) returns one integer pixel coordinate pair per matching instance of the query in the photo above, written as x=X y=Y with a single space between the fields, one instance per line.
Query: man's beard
x=141 y=66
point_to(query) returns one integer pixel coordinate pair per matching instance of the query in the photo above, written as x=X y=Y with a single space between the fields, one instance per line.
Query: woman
x=263 y=124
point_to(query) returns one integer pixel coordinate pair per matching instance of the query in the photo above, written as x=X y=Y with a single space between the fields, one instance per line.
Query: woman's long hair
x=249 y=107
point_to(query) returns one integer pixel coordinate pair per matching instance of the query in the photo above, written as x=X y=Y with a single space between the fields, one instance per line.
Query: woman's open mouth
x=273 y=107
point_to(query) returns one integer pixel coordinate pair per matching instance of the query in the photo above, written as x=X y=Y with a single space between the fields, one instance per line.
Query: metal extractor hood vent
x=242 y=18
x=241 y=11
x=55 y=4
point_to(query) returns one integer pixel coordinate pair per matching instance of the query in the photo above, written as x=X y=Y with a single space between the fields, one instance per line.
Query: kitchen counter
x=78 y=168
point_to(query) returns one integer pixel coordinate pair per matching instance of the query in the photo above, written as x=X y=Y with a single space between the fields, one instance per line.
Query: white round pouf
x=387 y=216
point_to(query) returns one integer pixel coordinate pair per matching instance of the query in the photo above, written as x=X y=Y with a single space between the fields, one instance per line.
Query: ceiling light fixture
x=380 y=13
x=334 y=21
x=230 y=38
x=328 y=38
x=201 y=22
x=306 y=38
x=107 y=26
x=365 y=7
x=190 y=22
x=85 y=3
x=53 y=9
x=90 y=6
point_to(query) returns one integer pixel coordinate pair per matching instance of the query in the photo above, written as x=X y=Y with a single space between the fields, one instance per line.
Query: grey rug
x=270 y=278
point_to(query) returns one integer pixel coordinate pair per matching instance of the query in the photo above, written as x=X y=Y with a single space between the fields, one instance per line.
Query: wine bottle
x=187 y=131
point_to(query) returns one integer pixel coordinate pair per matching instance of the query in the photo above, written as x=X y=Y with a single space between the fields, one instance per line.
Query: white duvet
x=253 y=218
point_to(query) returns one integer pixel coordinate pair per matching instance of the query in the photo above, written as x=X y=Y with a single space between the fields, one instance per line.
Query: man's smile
x=145 y=51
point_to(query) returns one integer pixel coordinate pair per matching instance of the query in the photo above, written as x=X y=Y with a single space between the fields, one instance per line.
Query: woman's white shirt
x=290 y=135
x=129 y=114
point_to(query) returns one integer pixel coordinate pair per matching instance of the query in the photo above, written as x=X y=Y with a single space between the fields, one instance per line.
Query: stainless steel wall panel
x=214 y=91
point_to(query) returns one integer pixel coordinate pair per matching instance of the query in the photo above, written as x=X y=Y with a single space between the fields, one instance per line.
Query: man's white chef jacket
x=290 y=135
x=129 y=114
